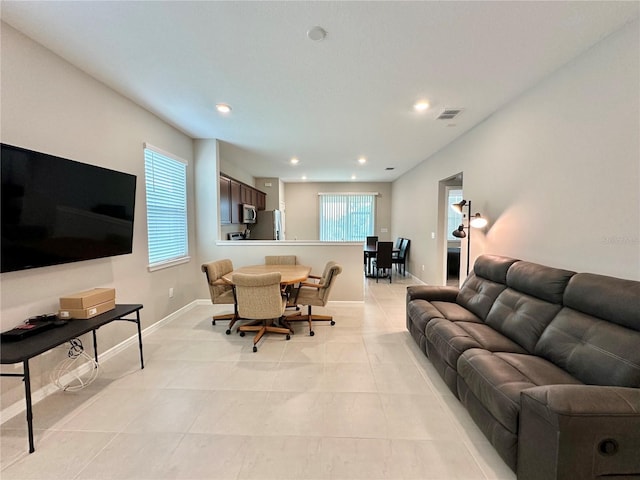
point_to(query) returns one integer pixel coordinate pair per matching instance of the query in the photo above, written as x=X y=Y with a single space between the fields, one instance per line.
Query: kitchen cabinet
x=233 y=194
x=225 y=200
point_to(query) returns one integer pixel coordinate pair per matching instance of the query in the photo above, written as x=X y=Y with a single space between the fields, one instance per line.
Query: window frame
x=182 y=208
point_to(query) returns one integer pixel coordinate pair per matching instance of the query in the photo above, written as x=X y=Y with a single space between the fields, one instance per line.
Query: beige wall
x=556 y=171
x=50 y=106
x=301 y=210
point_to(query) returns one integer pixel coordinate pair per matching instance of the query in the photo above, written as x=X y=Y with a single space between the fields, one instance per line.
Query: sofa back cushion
x=521 y=317
x=532 y=299
x=545 y=283
x=484 y=284
x=596 y=336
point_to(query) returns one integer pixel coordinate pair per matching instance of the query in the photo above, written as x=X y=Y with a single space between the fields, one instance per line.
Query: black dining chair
x=370 y=244
x=384 y=259
x=400 y=259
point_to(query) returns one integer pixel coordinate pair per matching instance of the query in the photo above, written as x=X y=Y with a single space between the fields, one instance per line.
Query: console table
x=26 y=349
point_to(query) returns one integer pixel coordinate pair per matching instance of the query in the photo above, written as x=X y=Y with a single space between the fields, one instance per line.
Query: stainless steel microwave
x=248 y=213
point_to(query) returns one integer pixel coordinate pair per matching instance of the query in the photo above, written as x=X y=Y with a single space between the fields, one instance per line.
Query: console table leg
x=95 y=345
x=27 y=395
x=140 y=338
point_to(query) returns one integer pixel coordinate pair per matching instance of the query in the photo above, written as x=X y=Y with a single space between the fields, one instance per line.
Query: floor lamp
x=475 y=221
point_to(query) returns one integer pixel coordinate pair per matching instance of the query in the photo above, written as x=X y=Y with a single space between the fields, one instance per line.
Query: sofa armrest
x=578 y=431
x=432 y=293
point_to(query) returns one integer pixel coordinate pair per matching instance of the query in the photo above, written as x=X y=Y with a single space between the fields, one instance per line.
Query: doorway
x=450 y=193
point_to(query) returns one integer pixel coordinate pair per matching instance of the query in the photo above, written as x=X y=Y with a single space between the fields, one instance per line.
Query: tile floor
x=356 y=401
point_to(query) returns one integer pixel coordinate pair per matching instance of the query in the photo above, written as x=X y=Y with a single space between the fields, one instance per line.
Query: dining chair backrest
x=371 y=241
x=280 y=260
x=331 y=271
x=259 y=296
x=399 y=242
x=403 y=248
x=384 y=254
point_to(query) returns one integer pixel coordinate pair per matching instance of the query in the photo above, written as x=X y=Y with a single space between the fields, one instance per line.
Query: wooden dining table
x=290 y=274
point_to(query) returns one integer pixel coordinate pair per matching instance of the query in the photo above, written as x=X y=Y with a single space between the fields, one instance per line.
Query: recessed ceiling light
x=421 y=105
x=294 y=161
x=362 y=160
x=223 y=108
x=317 y=34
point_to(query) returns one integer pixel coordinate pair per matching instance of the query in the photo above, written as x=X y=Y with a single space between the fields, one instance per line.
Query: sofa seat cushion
x=451 y=339
x=497 y=378
x=422 y=312
x=455 y=312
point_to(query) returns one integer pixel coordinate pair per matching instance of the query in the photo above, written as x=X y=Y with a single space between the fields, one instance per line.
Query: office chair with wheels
x=259 y=298
x=221 y=292
x=316 y=294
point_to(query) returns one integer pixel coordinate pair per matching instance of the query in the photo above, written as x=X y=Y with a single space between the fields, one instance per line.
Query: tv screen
x=58 y=211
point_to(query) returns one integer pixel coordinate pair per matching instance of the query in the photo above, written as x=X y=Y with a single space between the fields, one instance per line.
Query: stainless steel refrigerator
x=268 y=226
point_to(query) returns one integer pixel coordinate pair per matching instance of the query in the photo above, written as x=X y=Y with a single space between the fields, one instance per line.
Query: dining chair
x=259 y=298
x=384 y=259
x=370 y=241
x=221 y=292
x=316 y=293
x=400 y=259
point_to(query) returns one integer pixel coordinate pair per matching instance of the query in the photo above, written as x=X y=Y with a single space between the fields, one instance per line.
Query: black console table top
x=21 y=351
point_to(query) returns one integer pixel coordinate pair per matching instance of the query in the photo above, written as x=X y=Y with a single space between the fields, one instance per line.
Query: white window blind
x=166 y=185
x=346 y=217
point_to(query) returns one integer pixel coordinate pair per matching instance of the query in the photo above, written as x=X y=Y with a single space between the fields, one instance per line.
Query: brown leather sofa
x=546 y=361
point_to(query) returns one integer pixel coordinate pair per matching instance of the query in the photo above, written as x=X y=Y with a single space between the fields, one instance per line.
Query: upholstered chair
x=316 y=293
x=259 y=298
x=221 y=291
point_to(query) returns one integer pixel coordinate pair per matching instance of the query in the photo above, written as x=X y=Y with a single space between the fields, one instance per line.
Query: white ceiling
x=326 y=102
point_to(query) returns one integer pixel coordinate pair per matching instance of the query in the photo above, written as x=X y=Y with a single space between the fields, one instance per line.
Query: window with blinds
x=454 y=219
x=166 y=186
x=346 y=217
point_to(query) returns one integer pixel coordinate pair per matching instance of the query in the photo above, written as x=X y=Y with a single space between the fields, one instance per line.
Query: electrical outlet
x=433 y=235
x=171 y=292
x=423 y=268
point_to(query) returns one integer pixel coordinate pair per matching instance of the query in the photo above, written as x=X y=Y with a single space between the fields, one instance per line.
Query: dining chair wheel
x=288 y=337
x=255 y=349
x=333 y=323
x=312 y=333
x=242 y=334
x=228 y=332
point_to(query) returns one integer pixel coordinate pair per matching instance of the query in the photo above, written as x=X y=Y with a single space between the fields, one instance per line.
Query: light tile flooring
x=356 y=401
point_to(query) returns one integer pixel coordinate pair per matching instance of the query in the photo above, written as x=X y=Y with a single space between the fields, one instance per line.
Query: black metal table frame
x=24 y=350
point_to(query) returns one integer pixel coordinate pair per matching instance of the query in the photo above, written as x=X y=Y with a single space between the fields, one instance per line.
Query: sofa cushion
x=451 y=339
x=455 y=312
x=595 y=351
x=521 y=317
x=421 y=312
x=613 y=299
x=484 y=284
x=496 y=380
x=545 y=283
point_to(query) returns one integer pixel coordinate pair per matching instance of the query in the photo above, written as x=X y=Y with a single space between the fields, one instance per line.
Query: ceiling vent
x=449 y=114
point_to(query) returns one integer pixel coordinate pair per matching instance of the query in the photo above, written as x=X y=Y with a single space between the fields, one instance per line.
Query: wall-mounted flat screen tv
x=57 y=211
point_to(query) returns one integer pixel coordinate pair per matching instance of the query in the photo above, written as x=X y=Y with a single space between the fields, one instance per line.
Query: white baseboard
x=20 y=406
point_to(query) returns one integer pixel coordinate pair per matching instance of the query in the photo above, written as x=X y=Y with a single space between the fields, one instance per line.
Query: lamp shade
x=478 y=221
x=459 y=232
x=458 y=206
